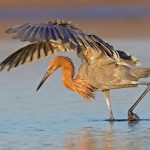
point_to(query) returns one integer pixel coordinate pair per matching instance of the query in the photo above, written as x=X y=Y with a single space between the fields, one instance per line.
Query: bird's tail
x=141 y=72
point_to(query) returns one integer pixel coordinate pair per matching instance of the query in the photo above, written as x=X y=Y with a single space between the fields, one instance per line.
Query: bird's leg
x=106 y=94
x=132 y=116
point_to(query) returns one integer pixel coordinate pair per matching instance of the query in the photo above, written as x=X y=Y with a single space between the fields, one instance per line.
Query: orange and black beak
x=47 y=74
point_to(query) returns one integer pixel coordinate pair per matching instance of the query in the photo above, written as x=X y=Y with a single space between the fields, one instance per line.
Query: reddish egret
x=102 y=68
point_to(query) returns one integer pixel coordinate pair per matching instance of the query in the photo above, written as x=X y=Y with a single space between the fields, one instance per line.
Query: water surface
x=86 y=12
x=56 y=118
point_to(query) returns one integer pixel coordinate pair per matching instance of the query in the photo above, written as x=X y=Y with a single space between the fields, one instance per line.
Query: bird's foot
x=111 y=119
x=132 y=116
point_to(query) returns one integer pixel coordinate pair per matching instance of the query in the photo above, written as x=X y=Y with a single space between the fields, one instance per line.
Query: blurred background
x=107 y=18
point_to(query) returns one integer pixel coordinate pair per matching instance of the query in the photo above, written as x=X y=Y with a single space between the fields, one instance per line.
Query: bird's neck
x=77 y=84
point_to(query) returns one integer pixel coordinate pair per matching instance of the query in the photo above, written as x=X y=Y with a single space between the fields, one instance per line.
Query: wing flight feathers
x=47 y=38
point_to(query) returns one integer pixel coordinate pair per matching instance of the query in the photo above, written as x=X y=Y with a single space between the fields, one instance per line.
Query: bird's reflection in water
x=81 y=141
x=90 y=139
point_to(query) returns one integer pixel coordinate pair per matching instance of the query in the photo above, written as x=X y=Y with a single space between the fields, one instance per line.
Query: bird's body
x=102 y=68
x=108 y=75
x=104 y=76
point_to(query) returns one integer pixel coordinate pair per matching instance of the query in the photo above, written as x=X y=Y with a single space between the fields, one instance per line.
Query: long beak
x=43 y=80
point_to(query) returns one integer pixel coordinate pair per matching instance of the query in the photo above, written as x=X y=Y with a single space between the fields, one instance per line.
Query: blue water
x=55 y=118
x=86 y=12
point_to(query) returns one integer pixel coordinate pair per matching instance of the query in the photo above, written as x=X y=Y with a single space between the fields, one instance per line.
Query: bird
x=102 y=68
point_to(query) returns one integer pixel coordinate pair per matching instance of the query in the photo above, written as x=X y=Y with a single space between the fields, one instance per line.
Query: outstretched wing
x=45 y=39
x=33 y=52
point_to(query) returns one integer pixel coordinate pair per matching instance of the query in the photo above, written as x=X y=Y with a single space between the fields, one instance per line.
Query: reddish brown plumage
x=77 y=84
x=102 y=66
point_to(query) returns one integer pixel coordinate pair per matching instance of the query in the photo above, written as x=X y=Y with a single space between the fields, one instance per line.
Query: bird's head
x=53 y=65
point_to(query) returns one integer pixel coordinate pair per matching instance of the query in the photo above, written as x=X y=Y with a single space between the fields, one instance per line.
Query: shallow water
x=88 y=12
x=56 y=118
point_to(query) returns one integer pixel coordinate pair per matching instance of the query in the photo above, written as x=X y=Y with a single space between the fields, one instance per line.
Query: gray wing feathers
x=62 y=32
x=31 y=53
x=54 y=36
x=127 y=59
x=38 y=32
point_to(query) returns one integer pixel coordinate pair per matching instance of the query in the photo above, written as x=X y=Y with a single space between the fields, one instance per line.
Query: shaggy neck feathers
x=77 y=84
